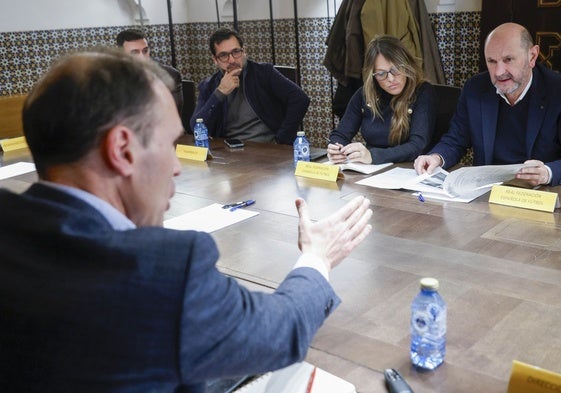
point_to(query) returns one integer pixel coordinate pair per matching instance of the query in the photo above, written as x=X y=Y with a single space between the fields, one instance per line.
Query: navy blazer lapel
x=536 y=110
x=489 y=117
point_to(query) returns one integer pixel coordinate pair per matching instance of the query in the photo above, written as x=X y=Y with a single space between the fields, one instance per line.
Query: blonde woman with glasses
x=394 y=110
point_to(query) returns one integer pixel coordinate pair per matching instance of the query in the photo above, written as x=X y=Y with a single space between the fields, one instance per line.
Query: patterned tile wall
x=457 y=36
x=25 y=56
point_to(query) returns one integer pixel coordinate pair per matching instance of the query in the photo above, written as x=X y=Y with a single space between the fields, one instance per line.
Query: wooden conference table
x=499 y=269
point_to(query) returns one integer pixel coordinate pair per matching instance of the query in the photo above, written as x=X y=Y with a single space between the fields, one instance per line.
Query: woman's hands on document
x=353 y=152
x=334 y=153
x=334 y=237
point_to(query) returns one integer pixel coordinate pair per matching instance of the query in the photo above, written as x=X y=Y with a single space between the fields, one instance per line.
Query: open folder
x=298 y=378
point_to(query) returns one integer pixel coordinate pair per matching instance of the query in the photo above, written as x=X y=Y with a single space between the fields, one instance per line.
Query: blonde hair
x=394 y=51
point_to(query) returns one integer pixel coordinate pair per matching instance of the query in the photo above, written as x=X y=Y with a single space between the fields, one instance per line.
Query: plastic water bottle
x=301 y=148
x=428 y=326
x=201 y=134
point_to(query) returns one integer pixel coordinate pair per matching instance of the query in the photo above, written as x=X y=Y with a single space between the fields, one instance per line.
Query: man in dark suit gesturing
x=95 y=295
x=508 y=115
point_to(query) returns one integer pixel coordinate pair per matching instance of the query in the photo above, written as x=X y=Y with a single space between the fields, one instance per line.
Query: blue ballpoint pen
x=249 y=202
x=229 y=205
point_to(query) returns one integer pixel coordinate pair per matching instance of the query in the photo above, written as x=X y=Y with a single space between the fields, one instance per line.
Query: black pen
x=337 y=144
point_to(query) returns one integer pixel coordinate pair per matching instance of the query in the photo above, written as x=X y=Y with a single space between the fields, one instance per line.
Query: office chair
x=189 y=102
x=446 y=101
x=289 y=72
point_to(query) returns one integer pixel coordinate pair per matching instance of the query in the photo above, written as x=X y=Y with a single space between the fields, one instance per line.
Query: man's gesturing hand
x=333 y=238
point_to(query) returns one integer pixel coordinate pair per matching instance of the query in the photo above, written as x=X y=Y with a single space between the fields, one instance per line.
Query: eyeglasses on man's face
x=224 y=56
x=382 y=75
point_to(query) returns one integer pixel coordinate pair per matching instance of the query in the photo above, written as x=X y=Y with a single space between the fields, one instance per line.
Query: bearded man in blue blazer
x=95 y=295
x=509 y=114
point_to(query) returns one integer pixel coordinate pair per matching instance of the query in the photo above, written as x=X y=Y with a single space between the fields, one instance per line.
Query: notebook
x=317 y=152
x=295 y=379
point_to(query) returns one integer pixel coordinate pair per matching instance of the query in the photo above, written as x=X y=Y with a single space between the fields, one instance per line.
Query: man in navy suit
x=509 y=114
x=95 y=295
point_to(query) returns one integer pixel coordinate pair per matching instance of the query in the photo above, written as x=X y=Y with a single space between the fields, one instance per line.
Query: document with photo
x=462 y=185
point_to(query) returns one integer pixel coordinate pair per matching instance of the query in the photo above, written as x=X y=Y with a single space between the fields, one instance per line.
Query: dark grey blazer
x=85 y=308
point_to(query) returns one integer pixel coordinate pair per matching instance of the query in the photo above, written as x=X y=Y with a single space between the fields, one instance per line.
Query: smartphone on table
x=233 y=143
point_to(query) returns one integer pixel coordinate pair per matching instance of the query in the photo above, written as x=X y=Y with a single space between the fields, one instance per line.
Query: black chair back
x=189 y=101
x=289 y=72
x=446 y=102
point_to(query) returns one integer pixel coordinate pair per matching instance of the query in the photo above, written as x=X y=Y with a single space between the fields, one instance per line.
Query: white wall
x=252 y=9
x=434 y=6
x=25 y=15
x=259 y=9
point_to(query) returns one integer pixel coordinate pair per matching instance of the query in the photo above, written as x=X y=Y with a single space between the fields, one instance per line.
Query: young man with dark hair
x=135 y=43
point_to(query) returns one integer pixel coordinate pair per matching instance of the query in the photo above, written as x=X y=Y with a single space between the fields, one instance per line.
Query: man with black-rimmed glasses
x=245 y=99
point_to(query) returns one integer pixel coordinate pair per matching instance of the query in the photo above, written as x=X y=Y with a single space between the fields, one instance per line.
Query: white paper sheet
x=295 y=379
x=393 y=179
x=16 y=169
x=209 y=219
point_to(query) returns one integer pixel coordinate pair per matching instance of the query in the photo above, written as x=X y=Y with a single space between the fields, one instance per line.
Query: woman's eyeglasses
x=382 y=75
x=236 y=54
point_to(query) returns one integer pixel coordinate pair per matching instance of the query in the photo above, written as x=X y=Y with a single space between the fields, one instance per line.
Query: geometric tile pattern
x=26 y=55
x=457 y=36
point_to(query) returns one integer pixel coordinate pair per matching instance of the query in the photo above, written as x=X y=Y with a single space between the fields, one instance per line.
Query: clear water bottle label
x=301 y=149
x=430 y=321
x=428 y=330
x=305 y=152
x=200 y=134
